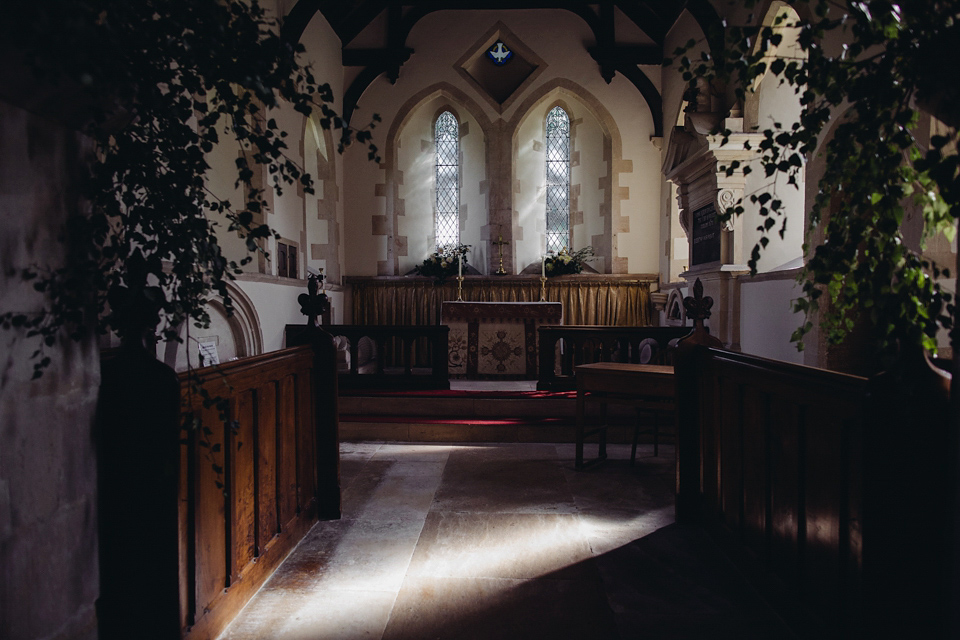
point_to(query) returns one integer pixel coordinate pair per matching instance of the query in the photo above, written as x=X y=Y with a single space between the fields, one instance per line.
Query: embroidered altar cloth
x=491 y=340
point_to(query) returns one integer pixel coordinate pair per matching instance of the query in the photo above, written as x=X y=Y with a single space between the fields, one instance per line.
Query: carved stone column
x=708 y=172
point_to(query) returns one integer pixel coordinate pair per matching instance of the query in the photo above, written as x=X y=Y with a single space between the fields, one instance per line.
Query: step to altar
x=480 y=416
x=355 y=428
x=480 y=404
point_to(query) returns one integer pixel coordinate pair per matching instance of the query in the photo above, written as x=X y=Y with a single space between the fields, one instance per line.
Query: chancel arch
x=411 y=180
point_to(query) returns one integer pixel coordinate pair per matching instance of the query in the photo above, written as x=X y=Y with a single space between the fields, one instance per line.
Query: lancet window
x=447 y=137
x=558 y=179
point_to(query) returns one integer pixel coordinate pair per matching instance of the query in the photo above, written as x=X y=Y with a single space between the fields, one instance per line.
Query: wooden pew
x=190 y=531
x=832 y=492
x=278 y=474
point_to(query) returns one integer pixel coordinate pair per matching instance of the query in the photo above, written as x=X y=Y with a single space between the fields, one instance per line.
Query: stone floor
x=503 y=541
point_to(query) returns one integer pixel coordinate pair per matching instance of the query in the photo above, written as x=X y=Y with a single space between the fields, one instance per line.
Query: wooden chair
x=653 y=407
x=644 y=387
x=648 y=387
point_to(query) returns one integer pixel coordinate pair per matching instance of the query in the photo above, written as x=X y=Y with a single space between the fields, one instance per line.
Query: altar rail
x=562 y=348
x=831 y=491
x=394 y=357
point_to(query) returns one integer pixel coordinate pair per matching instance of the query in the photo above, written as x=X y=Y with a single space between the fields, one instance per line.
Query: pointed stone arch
x=245 y=332
x=565 y=92
x=387 y=224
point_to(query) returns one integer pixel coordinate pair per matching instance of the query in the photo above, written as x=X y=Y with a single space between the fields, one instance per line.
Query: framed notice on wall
x=705 y=243
x=208 y=353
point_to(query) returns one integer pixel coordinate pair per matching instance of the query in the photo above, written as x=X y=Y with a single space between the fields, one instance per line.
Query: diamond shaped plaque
x=498 y=65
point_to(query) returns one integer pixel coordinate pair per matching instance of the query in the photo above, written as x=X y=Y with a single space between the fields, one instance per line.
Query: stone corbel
x=727 y=198
x=684 y=214
x=659 y=300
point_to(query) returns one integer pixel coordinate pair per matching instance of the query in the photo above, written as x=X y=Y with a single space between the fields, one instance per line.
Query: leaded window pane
x=447 y=137
x=558 y=179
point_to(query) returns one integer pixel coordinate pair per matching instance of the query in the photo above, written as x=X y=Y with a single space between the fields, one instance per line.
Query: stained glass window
x=447 y=136
x=499 y=53
x=558 y=179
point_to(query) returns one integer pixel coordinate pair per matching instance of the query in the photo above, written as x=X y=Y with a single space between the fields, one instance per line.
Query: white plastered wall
x=221 y=186
x=443 y=37
x=639 y=179
x=293 y=214
x=324 y=56
x=767 y=319
x=277 y=307
x=775 y=106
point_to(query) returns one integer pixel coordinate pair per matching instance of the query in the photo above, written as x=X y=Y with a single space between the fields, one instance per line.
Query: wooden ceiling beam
x=627 y=54
x=367 y=57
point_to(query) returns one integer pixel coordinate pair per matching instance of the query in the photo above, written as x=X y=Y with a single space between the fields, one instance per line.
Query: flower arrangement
x=445 y=262
x=565 y=262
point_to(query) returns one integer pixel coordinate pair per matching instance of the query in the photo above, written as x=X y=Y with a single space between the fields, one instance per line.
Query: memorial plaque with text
x=706 y=236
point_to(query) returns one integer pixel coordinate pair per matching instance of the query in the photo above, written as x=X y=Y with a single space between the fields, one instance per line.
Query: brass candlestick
x=500 y=242
x=543 y=288
x=459 y=288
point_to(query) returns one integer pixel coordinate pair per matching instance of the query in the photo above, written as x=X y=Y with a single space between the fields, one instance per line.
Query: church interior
x=526 y=130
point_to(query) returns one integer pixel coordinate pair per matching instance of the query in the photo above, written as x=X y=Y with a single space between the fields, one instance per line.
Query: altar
x=496 y=340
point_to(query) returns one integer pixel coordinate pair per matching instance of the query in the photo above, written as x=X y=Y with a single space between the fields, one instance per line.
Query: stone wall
x=48 y=513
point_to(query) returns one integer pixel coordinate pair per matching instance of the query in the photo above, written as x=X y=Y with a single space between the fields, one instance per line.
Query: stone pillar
x=48 y=498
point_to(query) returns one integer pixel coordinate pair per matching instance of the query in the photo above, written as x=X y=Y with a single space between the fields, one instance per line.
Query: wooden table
x=648 y=387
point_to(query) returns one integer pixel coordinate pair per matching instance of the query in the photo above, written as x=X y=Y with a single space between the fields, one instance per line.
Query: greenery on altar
x=160 y=86
x=565 y=262
x=864 y=93
x=444 y=263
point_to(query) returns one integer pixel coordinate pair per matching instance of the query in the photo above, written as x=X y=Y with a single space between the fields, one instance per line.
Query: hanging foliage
x=160 y=85
x=862 y=72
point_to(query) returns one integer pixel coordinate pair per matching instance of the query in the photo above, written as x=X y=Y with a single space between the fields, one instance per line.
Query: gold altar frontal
x=496 y=340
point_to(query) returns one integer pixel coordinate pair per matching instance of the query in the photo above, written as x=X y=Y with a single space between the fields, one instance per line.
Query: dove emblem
x=499 y=53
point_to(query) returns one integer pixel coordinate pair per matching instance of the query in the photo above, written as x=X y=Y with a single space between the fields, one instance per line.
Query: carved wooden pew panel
x=830 y=491
x=248 y=492
x=192 y=522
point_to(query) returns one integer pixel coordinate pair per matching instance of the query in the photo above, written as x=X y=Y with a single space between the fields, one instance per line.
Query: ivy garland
x=872 y=64
x=163 y=82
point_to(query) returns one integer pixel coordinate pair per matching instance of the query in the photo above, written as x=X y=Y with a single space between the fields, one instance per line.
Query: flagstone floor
x=504 y=541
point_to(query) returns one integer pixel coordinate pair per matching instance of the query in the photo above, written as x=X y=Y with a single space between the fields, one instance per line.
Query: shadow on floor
x=673 y=584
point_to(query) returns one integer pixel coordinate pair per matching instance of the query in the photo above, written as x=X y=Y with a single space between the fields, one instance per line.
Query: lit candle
x=460 y=265
x=543 y=266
